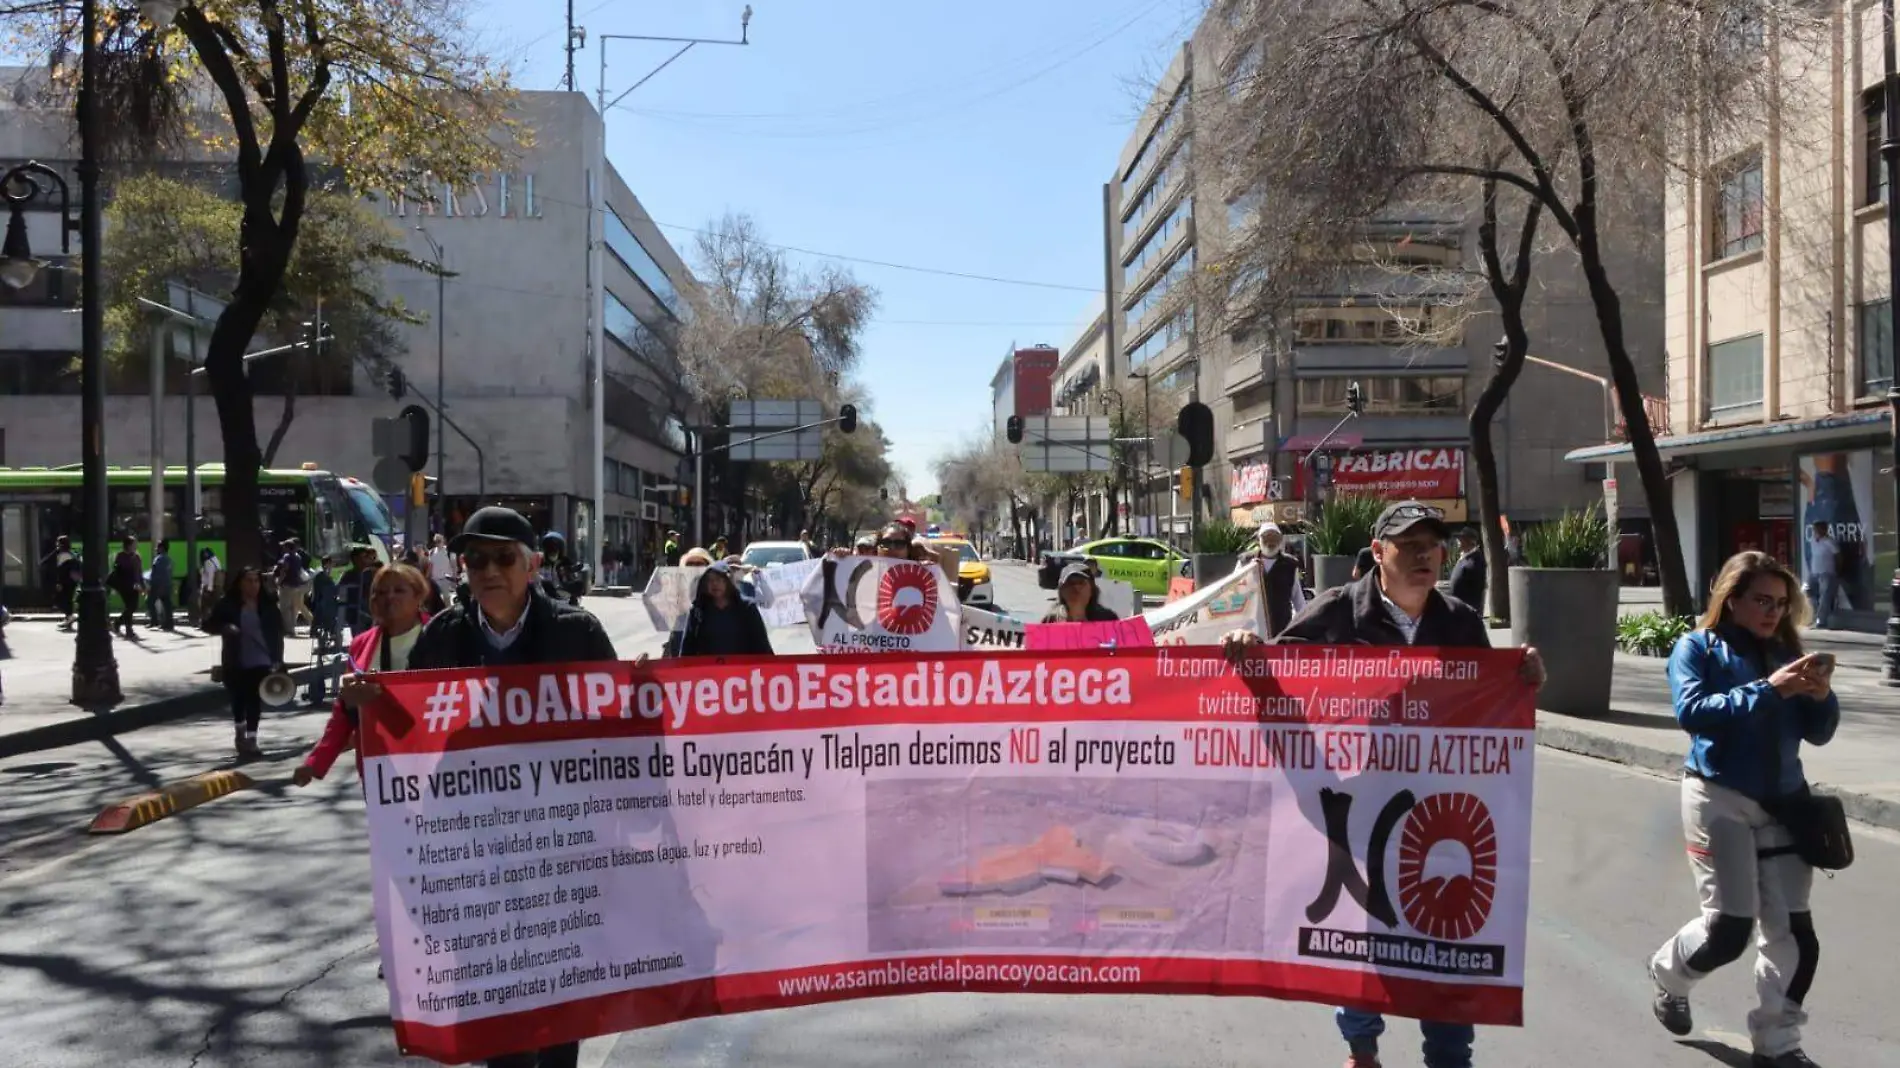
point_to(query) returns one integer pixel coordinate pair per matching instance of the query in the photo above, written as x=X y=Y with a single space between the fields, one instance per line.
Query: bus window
x=332 y=534
x=372 y=523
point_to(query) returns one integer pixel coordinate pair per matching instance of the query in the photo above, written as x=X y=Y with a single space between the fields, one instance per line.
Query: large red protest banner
x=576 y=850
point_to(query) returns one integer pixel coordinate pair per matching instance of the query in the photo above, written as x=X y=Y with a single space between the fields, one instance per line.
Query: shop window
x=1735 y=379
x=1876 y=347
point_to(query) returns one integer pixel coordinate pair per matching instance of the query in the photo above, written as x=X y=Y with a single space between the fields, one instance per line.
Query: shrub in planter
x=1579 y=539
x=1344 y=527
x=1563 y=601
x=1651 y=633
x=1217 y=548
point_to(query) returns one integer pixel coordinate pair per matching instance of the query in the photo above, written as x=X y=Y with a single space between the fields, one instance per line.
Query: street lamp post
x=1890 y=152
x=1148 y=453
x=441 y=372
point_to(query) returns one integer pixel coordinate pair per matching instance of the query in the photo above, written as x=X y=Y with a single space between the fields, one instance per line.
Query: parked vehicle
x=1143 y=563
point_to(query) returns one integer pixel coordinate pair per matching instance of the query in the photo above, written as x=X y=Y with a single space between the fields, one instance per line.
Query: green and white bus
x=328 y=512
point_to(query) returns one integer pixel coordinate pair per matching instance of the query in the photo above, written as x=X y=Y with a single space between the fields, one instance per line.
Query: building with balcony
x=1400 y=318
x=1779 y=330
x=522 y=319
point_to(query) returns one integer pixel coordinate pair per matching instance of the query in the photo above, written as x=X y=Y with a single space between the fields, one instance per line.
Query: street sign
x=1171 y=451
x=757 y=429
x=189 y=342
x=1067 y=444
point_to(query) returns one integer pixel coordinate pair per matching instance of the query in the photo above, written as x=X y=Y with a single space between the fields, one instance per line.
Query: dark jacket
x=1095 y=613
x=553 y=633
x=1355 y=614
x=695 y=639
x=226 y=613
x=1742 y=734
x=1467 y=579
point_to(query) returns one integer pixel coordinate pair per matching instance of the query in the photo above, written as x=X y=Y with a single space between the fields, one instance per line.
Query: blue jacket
x=1733 y=717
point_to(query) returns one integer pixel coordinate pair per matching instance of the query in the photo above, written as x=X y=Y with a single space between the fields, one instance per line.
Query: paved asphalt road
x=239 y=934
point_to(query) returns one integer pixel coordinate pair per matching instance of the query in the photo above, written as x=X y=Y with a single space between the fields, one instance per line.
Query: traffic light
x=1013 y=429
x=1187 y=483
x=1355 y=399
x=415 y=437
x=684 y=498
x=848 y=418
x=1196 y=425
x=398 y=384
x=418 y=491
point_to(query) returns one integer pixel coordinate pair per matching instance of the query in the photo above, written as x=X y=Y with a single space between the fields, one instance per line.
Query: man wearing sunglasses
x=508 y=619
x=1397 y=603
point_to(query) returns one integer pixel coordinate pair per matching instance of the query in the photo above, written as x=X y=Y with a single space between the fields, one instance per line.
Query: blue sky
x=970 y=136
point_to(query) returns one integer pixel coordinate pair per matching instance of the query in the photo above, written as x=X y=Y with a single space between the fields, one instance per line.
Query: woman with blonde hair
x=1748 y=699
x=396 y=598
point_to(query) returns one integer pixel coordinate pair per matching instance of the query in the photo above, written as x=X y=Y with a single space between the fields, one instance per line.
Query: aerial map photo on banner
x=1330 y=824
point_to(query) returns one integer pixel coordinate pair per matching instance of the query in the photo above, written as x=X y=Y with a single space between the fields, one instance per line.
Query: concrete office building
x=1779 y=340
x=1421 y=353
x=519 y=333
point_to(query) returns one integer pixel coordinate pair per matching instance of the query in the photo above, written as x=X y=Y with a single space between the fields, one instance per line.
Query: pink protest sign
x=1132 y=633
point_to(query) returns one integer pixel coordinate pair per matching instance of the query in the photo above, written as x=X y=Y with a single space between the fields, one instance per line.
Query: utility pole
x=1890 y=151
x=569 y=80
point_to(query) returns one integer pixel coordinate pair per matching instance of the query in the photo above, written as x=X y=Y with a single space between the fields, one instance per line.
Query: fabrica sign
x=1434 y=473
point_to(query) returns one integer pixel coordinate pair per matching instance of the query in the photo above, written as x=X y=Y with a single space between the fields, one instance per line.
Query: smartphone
x=1824 y=661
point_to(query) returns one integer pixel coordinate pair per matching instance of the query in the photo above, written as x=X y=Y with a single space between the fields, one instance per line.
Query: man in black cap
x=1397 y=603
x=509 y=620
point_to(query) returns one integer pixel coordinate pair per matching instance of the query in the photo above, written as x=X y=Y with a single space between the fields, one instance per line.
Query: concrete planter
x=1212 y=567
x=1569 y=615
x=1330 y=571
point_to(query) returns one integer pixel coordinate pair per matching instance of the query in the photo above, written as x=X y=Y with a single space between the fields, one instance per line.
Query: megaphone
x=277 y=689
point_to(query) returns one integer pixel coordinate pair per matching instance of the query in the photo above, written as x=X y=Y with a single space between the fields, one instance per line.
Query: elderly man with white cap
x=1281 y=577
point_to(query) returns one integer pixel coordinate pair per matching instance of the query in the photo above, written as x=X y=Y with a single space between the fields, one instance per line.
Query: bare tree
x=1575 y=104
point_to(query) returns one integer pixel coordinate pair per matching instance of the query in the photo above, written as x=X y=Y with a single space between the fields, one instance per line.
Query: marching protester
x=1748 y=699
x=1467 y=575
x=442 y=569
x=509 y=619
x=1280 y=575
x=721 y=621
x=894 y=542
x=293 y=585
x=252 y=625
x=1396 y=603
x=60 y=571
x=1362 y=564
x=395 y=605
x=865 y=545
x=1078 y=599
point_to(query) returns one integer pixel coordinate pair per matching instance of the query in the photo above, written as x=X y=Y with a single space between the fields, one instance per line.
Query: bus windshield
x=370 y=510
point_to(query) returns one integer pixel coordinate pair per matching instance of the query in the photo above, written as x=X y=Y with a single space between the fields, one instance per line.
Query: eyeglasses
x=895 y=543
x=1769 y=604
x=501 y=560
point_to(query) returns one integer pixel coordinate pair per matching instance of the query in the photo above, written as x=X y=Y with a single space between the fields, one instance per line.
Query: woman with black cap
x=721 y=622
x=1078 y=599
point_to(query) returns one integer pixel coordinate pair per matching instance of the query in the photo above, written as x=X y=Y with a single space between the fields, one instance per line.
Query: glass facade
x=1158 y=241
x=628 y=250
x=1164 y=183
x=1158 y=290
x=1176 y=328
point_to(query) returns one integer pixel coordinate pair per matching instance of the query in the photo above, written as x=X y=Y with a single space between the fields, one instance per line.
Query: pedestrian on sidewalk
x=1468 y=574
x=293 y=585
x=158 y=598
x=60 y=571
x=210 y=585
x=5 y=653
x=1396 y=603
x=442 y=569
x=252 y=626
x=128 y=579
x=395 y=605
x=1749 y=699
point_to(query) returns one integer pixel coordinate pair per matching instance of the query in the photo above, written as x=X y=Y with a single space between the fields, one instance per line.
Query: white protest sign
x=991 y=630
x=780 y=592
x=1207 y=615
x=864 y=604
x=1118 y=597
x=669 y=596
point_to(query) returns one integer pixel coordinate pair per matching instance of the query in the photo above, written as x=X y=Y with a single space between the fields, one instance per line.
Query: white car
x=768 y=554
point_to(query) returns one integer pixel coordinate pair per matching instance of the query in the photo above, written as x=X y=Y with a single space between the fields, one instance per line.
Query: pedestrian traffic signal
x=398 y=384
x=1013 y=429
x=848 y=418
x=1187 y=483
x=1196 y=425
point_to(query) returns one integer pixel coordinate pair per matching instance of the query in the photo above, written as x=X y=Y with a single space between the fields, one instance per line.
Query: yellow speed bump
x=168 y=800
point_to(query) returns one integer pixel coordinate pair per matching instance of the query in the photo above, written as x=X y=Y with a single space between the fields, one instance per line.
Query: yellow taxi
x=973 y=572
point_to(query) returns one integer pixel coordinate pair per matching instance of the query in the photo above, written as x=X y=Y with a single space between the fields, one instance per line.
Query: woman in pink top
x=395 y=605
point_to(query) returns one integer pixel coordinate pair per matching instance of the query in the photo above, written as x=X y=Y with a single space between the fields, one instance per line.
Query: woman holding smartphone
x=1748 y=699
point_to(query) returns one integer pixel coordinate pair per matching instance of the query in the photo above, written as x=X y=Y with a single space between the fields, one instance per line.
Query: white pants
x=1727 y=832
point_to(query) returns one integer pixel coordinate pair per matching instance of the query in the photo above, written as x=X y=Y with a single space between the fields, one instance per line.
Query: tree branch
x=217 y=62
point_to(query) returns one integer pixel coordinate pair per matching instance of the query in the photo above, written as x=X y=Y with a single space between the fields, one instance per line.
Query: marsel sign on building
x=471 y=202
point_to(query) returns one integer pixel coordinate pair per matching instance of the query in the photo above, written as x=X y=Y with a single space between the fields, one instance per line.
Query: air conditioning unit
x=649 y=512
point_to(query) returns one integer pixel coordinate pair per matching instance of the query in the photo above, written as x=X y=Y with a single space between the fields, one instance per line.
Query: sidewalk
x=163 y=677
x=1862 y=763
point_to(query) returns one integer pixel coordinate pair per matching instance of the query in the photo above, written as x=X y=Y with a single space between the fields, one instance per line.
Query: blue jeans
x=1446 y=1045
x=1826 y=589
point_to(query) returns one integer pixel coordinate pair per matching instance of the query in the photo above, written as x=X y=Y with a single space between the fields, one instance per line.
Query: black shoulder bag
x=1817 y=820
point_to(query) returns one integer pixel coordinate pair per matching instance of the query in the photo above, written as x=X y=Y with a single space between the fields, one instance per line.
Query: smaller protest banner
x=1117 y=596
x=983 y=629
x=1131 y=633
x=669 y=596
x=780 y=592
x=1207 y=615
x=865 y=604
x=1179 y=587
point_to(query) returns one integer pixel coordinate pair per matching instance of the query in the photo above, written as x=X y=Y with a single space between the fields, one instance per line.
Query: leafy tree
x=167 y=230
x=388 y=96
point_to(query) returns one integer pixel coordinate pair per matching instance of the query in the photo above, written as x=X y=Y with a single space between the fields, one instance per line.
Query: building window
x=1416 y=325
x=1873 y=130
x=1158 y=140
x=1735 y=379
x=1391 y=395
x=633 y=255
x=1157 y=192
x=1158 y=241
x=1876 y=347
x=1158 y=290
x=1164 y=335
x=1738 y=208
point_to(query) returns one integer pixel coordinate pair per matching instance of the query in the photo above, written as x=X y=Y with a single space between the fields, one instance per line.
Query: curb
x=169 y=800
x=122 y=719
x=1866 y=808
